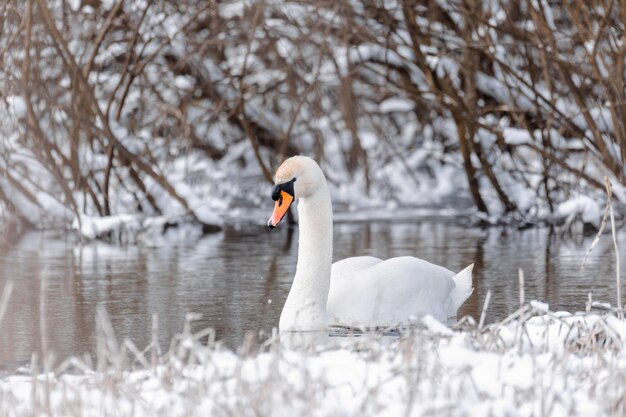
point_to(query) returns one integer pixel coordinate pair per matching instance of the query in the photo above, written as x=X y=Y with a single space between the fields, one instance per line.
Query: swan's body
x=360 y=291
x=368 y=290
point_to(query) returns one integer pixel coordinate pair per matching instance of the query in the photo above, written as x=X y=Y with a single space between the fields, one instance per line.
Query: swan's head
x=297 y=177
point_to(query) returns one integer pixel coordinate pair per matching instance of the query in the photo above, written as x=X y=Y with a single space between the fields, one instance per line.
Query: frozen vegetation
x=534 y=363
x=181 y=110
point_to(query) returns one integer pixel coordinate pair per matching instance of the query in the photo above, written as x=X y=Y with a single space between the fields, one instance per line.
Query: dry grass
x=544 y=364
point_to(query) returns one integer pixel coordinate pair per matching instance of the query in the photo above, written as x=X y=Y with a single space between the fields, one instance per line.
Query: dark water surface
x=238 y=279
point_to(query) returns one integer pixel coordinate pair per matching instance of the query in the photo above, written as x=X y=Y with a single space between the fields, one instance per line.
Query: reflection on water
x=238 y=279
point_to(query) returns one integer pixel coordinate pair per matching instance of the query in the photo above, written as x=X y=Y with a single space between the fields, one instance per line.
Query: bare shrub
x=527 y=97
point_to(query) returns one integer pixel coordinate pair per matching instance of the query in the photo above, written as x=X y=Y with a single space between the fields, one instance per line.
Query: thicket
x=100 y=98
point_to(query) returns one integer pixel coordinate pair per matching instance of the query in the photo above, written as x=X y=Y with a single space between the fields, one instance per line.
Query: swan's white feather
x=367 y=291
x=462 y=287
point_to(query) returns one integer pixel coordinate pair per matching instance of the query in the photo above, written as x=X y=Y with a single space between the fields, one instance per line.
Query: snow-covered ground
x=539 y=364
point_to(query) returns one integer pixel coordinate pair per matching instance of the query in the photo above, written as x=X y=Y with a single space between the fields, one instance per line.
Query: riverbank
x=535 y=362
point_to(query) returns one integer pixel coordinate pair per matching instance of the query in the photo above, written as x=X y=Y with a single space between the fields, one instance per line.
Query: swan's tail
x=463 y=289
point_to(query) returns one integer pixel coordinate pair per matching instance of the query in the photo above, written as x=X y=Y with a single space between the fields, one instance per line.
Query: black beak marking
x=276 y=192
x=285 y=186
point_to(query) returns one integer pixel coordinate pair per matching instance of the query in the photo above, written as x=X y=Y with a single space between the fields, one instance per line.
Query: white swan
x=357 y=292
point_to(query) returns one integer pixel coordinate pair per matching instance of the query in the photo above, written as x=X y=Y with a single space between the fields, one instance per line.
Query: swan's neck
x=305 y=308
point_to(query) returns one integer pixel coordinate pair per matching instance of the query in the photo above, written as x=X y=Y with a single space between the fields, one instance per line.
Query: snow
x=92 y=227
x=75 y=4
x=582 y=206
x=232 y=9
x=127 y=228
x=368 y=139
x=184 y=82
x=550 y=364
x=108 y=4
x=396 y=105
x=17 y=106
x=513 y=136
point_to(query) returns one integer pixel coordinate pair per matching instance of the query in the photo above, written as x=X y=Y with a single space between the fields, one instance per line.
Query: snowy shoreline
x=536 y=362
x=576 y=215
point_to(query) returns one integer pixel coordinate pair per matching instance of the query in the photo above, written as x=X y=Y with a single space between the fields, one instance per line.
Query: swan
x=361 y=291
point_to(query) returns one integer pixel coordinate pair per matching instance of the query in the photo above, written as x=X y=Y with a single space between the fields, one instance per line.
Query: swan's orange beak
x=280 y=208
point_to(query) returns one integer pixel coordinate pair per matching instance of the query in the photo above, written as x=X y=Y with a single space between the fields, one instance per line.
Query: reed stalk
x=618 y=284
x=4 y=299
x=483 y=313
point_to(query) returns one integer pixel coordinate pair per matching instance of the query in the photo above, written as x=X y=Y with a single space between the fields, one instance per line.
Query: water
x=238 y=279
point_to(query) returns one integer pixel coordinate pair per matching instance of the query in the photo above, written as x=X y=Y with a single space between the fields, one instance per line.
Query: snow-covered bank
x=550 y=364
x=129 y=228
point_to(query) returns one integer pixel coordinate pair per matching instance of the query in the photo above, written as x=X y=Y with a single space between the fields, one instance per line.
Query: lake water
x=238 y=279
